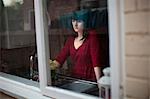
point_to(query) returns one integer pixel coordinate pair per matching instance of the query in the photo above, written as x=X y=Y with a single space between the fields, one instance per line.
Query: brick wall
x=137 y=29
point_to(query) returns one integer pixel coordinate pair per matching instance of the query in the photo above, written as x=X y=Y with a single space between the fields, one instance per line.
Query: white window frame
x=116 y=36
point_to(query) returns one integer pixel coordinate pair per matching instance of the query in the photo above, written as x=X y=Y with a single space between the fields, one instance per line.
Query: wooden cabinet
x=18 y=27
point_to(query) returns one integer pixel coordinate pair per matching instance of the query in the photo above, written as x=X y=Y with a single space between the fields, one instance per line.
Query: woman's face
x=78 y=25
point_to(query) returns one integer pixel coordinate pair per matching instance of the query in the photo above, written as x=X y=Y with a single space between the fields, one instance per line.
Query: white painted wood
x=20 y=79
x=122 y=50
x=20 y=89
x=116 y=36
x=42 y=43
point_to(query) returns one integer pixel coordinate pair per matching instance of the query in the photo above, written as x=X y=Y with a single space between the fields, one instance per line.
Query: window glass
x=78 y=43
x=18 y=55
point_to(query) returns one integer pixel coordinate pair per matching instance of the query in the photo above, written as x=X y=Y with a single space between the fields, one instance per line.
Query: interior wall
x=15 y=60
x=57 y=35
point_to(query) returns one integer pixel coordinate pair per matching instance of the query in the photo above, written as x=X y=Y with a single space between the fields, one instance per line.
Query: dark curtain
x=96 y=19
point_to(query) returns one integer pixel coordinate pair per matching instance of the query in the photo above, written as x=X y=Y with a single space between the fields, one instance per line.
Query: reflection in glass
x=17 y=36
x=69 y=59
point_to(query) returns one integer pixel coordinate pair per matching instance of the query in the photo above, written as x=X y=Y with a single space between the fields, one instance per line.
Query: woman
x=83 y=49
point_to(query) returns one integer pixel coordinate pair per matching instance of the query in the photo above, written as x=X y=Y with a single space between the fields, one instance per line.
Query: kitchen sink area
x=76 y=85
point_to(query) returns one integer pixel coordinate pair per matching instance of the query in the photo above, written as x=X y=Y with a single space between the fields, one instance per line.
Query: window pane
x=78 y=40
x=76 y=52
x=18 y=39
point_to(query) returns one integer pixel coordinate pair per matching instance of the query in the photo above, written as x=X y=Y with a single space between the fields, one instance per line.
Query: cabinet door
x=19 y=30
x=18 y=43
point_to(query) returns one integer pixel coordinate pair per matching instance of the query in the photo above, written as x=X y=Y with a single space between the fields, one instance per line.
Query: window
x=18 y=41
x=44 y=54
x=76 y=72
x=52 y=89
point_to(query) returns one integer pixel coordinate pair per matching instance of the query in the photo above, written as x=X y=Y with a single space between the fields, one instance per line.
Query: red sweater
x=83 y=59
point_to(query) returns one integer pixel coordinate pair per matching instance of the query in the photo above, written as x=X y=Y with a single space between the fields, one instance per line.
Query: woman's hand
x=53 y=64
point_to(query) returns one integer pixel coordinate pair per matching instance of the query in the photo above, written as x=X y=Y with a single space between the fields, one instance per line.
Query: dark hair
x=85 y=33
x=84 y=16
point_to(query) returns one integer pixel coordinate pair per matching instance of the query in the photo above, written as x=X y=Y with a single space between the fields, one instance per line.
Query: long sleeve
x=95 y=49
x=64 y=53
